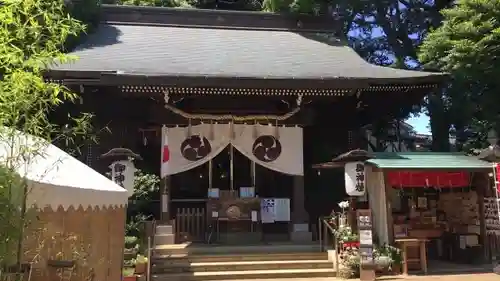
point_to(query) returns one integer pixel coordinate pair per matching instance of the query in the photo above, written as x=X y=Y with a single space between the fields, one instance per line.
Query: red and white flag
x=497 y=178
x=165 y=152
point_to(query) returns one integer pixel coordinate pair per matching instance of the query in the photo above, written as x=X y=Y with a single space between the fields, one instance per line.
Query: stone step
x=177 y=249
x=180 y=267
x=164 y=239
x=188 y=258
x=249 y=274
x=164 y=229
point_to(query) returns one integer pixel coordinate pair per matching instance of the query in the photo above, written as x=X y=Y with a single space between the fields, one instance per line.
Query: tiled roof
x=255 y=53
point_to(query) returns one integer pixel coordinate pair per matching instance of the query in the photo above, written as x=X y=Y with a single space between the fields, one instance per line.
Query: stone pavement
x=459 y=277
x=447 y=277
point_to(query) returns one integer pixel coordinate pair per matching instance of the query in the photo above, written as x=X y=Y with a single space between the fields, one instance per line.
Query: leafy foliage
x=33 y=34
x=466 y=45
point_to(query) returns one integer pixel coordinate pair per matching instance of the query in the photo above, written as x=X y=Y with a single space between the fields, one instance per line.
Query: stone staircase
x=218 y=262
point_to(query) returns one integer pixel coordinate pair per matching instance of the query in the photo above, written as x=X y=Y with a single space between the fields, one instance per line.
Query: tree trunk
x=440 y=127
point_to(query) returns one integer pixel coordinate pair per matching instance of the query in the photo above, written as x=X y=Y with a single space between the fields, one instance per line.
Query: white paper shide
x=355 y=178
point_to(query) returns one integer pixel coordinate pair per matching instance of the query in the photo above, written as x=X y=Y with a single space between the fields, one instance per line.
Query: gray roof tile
x=213 y=52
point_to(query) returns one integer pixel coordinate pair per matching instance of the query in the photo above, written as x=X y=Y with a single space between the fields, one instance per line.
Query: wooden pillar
x=299 y=216
x=165 y=216
x=388 y=206
x=482 y=184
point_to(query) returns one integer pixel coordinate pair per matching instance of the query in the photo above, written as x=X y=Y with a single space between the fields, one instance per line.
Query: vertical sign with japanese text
x=367 y=265
x=355 y=178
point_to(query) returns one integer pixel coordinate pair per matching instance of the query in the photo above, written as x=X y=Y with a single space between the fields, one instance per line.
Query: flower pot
x=396 y=269
x=140 y=268
x=351 y=244
x=130 y=278
x=342 y=221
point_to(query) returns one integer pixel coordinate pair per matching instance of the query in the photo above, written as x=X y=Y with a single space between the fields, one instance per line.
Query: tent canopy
x=54 y=177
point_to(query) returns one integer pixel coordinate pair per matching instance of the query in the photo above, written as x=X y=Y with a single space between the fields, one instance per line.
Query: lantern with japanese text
x=123 y=167
x=122 y=173
x=355 y=179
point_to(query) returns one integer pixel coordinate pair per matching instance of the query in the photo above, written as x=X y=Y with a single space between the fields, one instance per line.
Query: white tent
x=54 y=177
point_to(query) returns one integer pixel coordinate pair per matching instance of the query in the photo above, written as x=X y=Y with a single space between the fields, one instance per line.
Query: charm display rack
x=492 y=217
x=496 y=198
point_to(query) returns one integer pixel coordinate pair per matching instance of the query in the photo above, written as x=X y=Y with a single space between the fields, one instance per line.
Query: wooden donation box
x=234 y=218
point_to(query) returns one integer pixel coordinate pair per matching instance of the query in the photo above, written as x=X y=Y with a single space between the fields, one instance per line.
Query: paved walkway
x=460 y=277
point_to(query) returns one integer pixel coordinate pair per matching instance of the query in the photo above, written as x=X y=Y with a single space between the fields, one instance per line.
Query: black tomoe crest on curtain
x=266 y=148
x=195 y=147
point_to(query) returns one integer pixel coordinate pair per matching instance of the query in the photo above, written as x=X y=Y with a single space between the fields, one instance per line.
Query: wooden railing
x=327 y=236
x=190 y=225
x=150 y=233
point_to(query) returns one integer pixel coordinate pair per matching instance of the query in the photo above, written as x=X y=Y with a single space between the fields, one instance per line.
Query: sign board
x=354 y=174
x=367 y=265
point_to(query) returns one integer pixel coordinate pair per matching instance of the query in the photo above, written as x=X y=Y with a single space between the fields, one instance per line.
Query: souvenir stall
x=432 y=202
x=76 y=216
x=492 y=198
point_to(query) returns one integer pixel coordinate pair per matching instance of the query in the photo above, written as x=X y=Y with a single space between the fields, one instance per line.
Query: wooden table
x=414 y=242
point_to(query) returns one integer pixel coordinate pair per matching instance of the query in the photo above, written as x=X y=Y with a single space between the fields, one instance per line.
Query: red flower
x=352 y=244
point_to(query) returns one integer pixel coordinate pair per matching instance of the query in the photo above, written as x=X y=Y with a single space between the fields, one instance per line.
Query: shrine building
x=232 y=109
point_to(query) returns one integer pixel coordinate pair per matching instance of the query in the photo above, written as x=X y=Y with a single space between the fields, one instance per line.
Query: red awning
x=428 y=178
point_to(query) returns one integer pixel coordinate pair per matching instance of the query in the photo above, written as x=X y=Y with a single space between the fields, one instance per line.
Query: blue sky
x=420 y=123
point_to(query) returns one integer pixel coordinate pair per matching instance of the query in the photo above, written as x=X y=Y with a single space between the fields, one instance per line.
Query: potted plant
x=131 y=247
x=350 y=263
x=388 y=259
x=344 y=205
x=397 y=260
x=128 y=274
x=15 y=272
x=141 y=263
x=346 y=237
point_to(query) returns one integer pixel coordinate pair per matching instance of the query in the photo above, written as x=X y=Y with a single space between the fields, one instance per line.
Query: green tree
x=467 y=45
x=153 y=3
x=33 y=34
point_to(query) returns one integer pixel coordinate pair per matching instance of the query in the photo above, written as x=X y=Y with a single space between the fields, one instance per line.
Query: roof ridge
x=203 y=18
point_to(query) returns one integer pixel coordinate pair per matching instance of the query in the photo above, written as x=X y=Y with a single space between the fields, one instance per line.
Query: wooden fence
x=190 y=225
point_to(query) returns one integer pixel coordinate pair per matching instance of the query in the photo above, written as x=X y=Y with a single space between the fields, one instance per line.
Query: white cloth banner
x=283 y=154
x=181 y=152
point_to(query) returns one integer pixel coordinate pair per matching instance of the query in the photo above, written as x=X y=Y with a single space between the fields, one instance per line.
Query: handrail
x=324 y=228
x=150 y=248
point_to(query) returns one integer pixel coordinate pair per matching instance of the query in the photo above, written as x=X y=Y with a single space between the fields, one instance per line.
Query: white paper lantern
x=355 y=178
x=123 y=173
